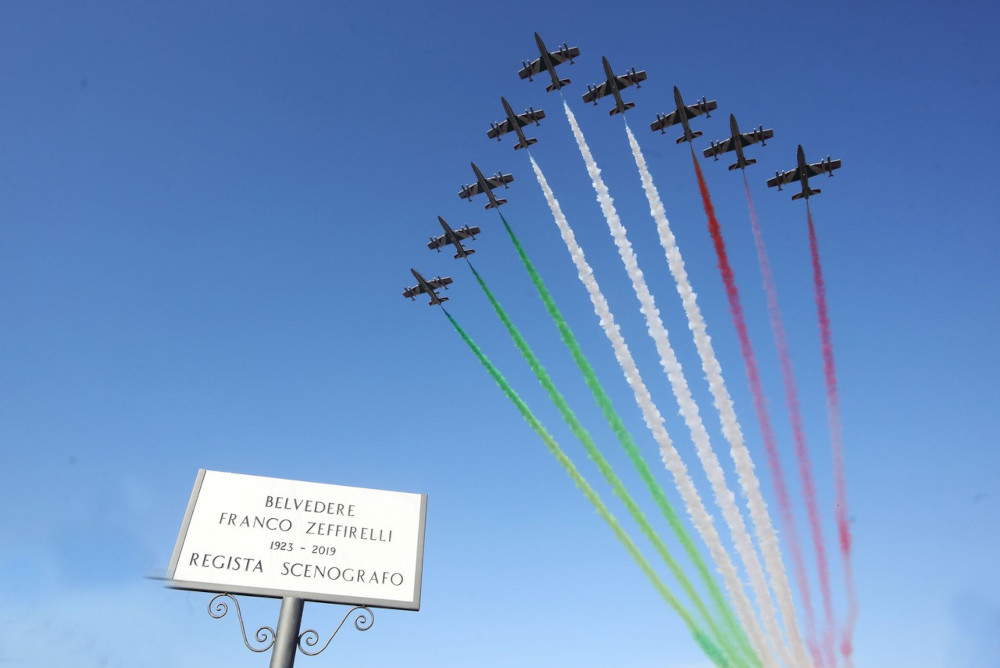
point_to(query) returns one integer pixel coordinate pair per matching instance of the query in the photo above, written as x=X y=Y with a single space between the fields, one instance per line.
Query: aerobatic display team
x=743 y=607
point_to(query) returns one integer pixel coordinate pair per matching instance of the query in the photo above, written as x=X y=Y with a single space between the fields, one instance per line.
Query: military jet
x=612 y=85
x=486 y=185
x=514 y=123
x=424 y=286
x=547 y=63
x=736 y=142
x=803 y=172
x=681 y=115
x=454 y=237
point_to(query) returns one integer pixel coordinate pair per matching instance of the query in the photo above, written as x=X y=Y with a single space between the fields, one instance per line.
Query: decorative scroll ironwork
x=218 y=608
x=310 y=638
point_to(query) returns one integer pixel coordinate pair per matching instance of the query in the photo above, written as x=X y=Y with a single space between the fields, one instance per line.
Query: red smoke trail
x=750 y=361
x=794 y=414
x=836 y=437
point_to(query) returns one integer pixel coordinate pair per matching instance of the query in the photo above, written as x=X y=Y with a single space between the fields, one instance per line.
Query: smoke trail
x=703 y=641
x=730 y=424
x=836 y=437
x=784 y=503
x=724 y=497
x=654 y=422
x=794 y=412
x=595 y=454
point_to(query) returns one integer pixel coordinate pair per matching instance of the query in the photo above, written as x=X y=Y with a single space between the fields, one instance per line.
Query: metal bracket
x=217 y=609
x=310 y=638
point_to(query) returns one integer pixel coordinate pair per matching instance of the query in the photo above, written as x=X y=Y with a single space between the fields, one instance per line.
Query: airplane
x=612 y=85
x=802 y=172
x=547 y=63
x=454 y=237
x=681 y=115
x=737 y=141
x=486 y=185
x=514 y=123
x=424 y=286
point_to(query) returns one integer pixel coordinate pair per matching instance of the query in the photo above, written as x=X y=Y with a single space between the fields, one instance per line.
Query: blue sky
x=208 y=213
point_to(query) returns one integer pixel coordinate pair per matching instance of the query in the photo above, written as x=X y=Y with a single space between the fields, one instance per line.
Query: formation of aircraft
x=682 y=114
x=514 y=123
x=802 y=172
x=486 y=185
x=430 y=288
x=613 y=85
x=737 y=141
x=454 y=238
x=547 y=61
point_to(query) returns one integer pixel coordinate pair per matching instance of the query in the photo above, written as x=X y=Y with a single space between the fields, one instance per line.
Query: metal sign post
x=286 y=640
x=287 y=637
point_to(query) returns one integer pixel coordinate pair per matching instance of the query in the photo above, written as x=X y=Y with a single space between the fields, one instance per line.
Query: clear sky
x=207 y=214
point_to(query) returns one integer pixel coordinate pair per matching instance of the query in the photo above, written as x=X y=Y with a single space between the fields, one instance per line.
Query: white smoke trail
x=763 y=526
x=654 y=422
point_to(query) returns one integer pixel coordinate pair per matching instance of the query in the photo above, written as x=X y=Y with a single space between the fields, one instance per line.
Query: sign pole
x=286 y=639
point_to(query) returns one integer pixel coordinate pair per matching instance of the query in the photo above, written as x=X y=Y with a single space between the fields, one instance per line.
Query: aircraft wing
x=817 y=168
x=665 y=120
x=631 y=78
x=596 y=92
x=466 y=232
x=532 y=116
x=720 y=147
x=784 y=177
x=414 y=291
x=698 y=109
x=501 y=128
x=536 y=66
x=439 y=282
x=468 y=191
x=437 y=242
x=498 y=180
x=558 y=57
x=748 y=138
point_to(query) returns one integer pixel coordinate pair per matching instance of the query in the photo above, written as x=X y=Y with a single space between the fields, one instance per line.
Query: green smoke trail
x=703 y=641
x=595 y=454
x=627 y=442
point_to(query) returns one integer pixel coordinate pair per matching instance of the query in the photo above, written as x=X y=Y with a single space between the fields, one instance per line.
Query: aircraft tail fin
x=525 y=144
x=551 y=87
x=745 y=163
x=467 y=251
x=491 y=205
x=809 y=192
x=439 y=300
x=616 y=110
x=689 y=137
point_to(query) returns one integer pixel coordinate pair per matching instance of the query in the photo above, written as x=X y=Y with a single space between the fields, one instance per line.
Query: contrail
x=703 y=641
x=762 y=521
x=655 y=423
x=723 y=495
x=836 y=438
x=742 y=460
x=794 y=414
x=595 y=454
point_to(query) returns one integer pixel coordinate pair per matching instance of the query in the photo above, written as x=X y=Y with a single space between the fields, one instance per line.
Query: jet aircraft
x=424 y=286
x=454 y=237
x=613 y=85
x=802 y=172
x=682 y=114
x=486 y=185
x=736 y=142
x=547 y=62
x=514 y=123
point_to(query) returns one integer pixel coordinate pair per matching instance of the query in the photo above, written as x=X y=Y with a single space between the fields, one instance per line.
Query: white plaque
x=246 y=534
